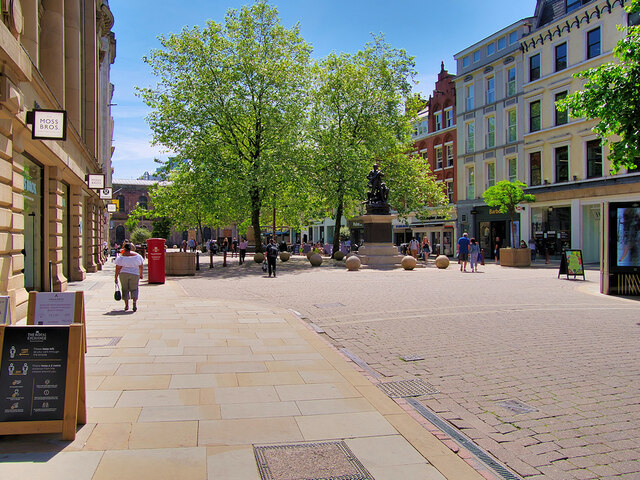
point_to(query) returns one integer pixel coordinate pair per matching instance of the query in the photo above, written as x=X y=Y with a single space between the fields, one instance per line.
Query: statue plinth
x=378 y=248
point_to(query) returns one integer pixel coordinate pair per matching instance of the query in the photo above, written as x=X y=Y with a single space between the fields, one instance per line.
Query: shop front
x=441 y=237
x=491 y=228
x=551 y=227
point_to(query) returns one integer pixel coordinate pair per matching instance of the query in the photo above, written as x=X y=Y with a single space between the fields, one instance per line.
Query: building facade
x=490 y=76
x=435 y=139
x=565 y=166
x=55 y=55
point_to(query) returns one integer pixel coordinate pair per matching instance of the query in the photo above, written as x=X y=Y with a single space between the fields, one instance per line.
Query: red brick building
x=435 y=139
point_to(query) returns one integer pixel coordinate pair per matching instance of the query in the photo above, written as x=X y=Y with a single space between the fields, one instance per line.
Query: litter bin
x=155 y=255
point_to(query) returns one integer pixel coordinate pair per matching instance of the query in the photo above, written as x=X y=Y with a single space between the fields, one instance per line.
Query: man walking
x=242 y=247
x=272 y=256
x=463 y=250
x=414 y=246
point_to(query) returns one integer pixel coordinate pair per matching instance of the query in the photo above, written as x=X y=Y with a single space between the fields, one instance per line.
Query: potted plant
x=507 y=196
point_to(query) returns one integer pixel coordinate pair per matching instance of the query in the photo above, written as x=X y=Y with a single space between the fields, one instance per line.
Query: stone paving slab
x=192 y=384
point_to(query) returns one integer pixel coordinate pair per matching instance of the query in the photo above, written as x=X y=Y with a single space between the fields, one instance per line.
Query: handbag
x=264 y=266
x=117 y=296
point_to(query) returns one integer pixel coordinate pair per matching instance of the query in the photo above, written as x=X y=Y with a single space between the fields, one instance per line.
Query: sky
x=432 y=31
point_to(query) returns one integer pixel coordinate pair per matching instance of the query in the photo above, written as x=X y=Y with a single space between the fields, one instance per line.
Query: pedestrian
x=523 y=244
x=474 y=252
x=532 y=246
x=192 y=245
x=426 y=248
x=183 y=246
x=414 y=246
x=242 y=247
x=272 y=256
x=211 y=244
x=225 y=249
x=496 y=250
x=463 y=250
x=234 y=247
x=129 y=269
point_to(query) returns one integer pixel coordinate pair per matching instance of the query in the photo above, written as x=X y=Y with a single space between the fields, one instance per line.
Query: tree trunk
x=255 y=218
x=336 y=229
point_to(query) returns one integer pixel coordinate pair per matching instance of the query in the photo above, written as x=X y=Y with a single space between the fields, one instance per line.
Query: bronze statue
x=378 y=193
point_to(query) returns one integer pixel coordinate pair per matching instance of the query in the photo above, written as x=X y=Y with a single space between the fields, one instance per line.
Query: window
x=425 y=156
x=593 y=43
x=512 y=126
x=513 y=38
x=471 y=137
x=511 y=81
x=491 y=90
x=449 y=150
x=491 y=132
x=466 y=61
x=438 y=119
x=561 y=56
x=476 y=56
x=121 y=203
x=142 y=202
x=594 y=159
x=491 y=48
x=562 y=164
x=469 y=96
x=512 y=165
x=471 y=183
x=562 y=117
x=448 y=113
x=535 y=169
x=534 y=116
x=491 y=174
x=573 y=5
x=633 y=20
x=450 y=191
x=439 y=157
x=534 y=67
x=502 y=43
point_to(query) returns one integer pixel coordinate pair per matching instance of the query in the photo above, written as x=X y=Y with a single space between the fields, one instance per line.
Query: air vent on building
x=490 y=109
x=468 y=78
x=488 y=69
x=491 y=154
x=507 y=60
x=511 y=101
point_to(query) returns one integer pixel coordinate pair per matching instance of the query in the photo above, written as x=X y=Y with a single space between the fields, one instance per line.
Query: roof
x=141 y=183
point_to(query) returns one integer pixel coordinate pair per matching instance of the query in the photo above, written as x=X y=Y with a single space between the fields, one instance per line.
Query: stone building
x=566 y=167
x=55 y=55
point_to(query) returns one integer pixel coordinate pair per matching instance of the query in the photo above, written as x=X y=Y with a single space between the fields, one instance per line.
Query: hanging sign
x=96 y=180
x=48 y=124
x=106 y=193
x=112 y=207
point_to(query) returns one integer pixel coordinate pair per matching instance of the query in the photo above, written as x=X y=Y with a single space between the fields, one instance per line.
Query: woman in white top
x=129 y=269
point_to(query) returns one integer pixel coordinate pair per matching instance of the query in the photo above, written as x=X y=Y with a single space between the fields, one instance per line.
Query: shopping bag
x=117 y=296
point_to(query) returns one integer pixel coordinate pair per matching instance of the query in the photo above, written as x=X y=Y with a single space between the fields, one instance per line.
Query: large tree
x=611 y=95
x=231 y=98
x=359 y=116
x=507 y=196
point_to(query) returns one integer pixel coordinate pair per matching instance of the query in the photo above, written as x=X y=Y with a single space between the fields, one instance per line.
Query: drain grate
x=517 y=406
x=328 y=305
x=102 y=341
x=464 y=441
x=309 y=461
x=407 y=388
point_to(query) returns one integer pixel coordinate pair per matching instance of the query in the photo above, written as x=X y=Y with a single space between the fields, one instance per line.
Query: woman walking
x=474 y=251
x=129 y=269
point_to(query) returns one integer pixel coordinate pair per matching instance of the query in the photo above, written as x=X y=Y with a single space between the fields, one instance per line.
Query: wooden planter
x=180 y=263
x=515 y=257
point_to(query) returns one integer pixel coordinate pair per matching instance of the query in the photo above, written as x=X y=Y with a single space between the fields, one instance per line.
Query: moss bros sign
x=48 y=124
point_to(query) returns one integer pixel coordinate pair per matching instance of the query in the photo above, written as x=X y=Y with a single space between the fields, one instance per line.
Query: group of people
x=235 y=247
x=468 y=250
x=419 y=250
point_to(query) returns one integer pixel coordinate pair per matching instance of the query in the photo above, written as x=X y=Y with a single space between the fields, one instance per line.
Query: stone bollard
x=353 y=263
x=442 y=261
x=409 y=263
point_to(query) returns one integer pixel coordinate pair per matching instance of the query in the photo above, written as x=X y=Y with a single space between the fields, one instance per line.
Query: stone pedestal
x=378 y=248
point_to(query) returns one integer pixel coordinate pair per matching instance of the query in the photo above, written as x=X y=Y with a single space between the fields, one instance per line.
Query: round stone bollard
x=309 y=253
x=338 y=255
x=353 y=263
x=284 y=256
x=409 y=263
x=258 y=257
x=316 y=260
x=442 y=261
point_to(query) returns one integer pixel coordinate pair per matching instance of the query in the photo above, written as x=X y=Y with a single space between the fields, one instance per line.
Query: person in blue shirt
x=463 y=250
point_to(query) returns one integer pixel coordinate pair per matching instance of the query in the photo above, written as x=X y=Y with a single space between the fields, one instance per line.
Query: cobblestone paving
x=554 y=345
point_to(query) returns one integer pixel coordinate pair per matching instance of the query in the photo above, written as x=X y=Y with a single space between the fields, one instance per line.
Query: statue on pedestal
x=378 y=193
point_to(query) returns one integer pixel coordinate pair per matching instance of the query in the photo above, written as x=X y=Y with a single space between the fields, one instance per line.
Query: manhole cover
x=407 y=388
x=102 y=341
x=517 y=407
x=309 y=461
x=328 y=305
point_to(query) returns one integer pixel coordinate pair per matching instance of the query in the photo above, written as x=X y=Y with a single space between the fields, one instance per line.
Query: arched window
x=119 y=234
x=121 y=203
x=142 y=201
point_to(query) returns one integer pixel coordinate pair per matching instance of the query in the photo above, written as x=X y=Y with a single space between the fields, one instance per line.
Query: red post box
x=155 y=256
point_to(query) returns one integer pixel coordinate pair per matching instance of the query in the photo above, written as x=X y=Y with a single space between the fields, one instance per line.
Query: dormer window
x=574 y=5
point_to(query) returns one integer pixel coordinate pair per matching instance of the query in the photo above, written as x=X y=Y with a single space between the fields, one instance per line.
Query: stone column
x=93 y=260
x=52 y=47
x=30 y=34
x=73 y=61
x=54 y=201
x=77 y=271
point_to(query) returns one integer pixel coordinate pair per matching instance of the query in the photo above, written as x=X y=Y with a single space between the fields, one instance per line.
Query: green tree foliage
x=611 y=95
x=140 y=235
x=231 y=98
x=358 y=118
x=136 y=216
x=161 y=228
x=507 y=196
